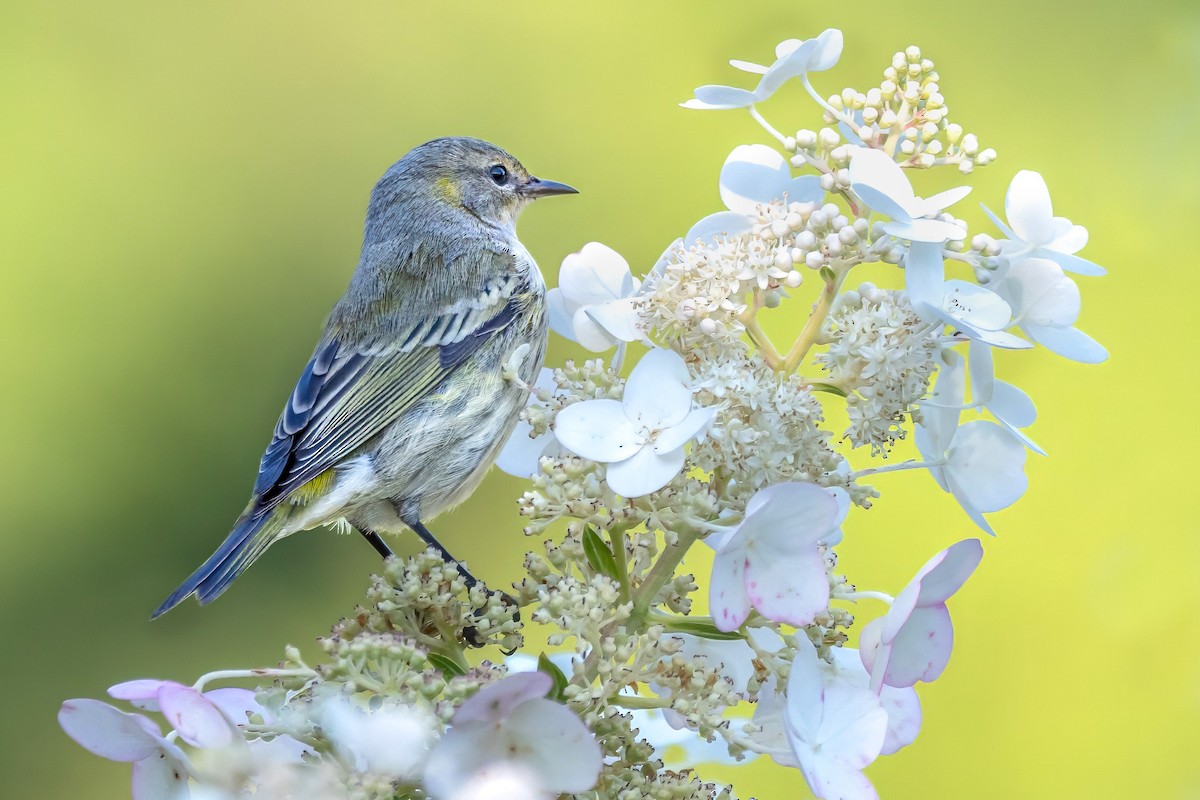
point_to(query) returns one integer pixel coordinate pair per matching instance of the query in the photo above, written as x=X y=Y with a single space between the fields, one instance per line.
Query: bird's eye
x=499 y=174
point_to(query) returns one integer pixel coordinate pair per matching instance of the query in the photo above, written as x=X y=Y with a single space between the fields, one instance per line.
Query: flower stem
x=812 y=328
x=866 y=595
x=910 y=464
x=761 y=340
x=231 y=674
x=658 y=575
x=766 y=125
x=637 y=701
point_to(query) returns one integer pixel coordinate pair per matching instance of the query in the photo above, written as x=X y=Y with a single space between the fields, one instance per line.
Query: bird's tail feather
x=252 y=535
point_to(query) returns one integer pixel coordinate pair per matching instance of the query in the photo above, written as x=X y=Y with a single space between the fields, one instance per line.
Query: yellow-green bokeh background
x=181 y=199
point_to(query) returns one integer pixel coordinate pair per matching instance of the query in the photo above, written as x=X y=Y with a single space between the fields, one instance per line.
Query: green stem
x=812 y=329
x=659 y=574
x=636 y=701
x=616 y=536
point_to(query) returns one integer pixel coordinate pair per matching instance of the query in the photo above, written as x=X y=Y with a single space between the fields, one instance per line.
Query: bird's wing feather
x=349 y=392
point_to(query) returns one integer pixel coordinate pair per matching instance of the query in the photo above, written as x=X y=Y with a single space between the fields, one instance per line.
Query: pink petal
x=946 y=572
x=922 y=648
x=142 y=693
x=195 y=718
x=789 y=588
x=727 y=599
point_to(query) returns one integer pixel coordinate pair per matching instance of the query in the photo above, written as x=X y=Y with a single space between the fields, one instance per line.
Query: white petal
x=496 y=701
x=787 y=587
x=1069 y=343
x=194 y=717
x=1040 y=293
x=645 y=472
x=160 y=777
x=721 y=97
x=620 y=319
x=658 y=393
x=677 y=436
x=1080 y=266
x=941 y=421
x=1012 y=406
x=560 y=314
x=976 y=306
x=727 y=599
x=1027 y=207
x=723 y=223
x=1068 y=238
x=935 y=204
x=805 y=189
x=521 y=453
x=598 y=430
x=596 y=274
x=589 y=333
x=108 y=732
x=829 y=50
x=986 y=466
x=881 y=184
x=981 y=367
x=924 y=273
x=557 y=746
x=1004 y=229
x=753 y=174
x=804 y=709
x=459 y=754
x=747 y=66
x=946 y=572
x=924 y=230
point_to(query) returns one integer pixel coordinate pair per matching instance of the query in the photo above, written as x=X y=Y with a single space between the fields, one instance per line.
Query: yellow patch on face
x=313 y=490
x=447 y=190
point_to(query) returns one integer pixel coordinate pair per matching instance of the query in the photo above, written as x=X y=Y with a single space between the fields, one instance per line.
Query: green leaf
x=705 y=630
x=827 y=275
x=828 y=387
x=560 y=680
x=599 y=557
x=448 y=666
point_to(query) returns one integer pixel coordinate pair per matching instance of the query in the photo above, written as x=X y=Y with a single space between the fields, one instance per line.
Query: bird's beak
x=536 y=187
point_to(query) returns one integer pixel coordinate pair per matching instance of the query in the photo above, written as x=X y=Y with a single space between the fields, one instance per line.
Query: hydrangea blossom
x=720 y=434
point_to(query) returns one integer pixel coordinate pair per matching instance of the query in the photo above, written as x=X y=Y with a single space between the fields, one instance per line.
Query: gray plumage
x=404 y=404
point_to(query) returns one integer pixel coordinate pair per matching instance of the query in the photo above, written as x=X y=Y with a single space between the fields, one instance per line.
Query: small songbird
x=422 y=370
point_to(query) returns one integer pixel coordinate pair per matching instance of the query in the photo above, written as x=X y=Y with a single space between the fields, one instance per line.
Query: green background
x=181 y=198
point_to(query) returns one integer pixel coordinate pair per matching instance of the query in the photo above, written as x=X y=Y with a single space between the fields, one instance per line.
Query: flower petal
x=589 y=333
x=722 y=223
x=645 y=472
x=677 y=436
x=522 y=453
x=658 y=393
x=946 y=572
x=160 y=777
x=792 y=588
x=925 y=273
x=1027 y=207
x=142 y=693
x=805 y=189
x=596 y=274
x=922 y=648
x=924 y=230
x=598 y=430
x=1069 y=343
x=727 y=599
x=556 y=744
x=721 y=97
x=985 y=466
x=620 y=319
x=1076 y=264
x=560 y=314
x=194 y=717
x=496 y=701
x=108 y=732
x=881 y=184
x=1012 y=406
x=935 y=204
x=753 y=174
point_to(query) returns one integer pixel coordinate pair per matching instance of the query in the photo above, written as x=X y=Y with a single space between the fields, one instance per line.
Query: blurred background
x=182 y=189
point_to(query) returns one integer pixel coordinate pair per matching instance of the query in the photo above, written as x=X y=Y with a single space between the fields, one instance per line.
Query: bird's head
x=470 y=174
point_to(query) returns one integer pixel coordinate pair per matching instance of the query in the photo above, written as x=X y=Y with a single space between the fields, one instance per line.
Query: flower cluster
x=715 y=436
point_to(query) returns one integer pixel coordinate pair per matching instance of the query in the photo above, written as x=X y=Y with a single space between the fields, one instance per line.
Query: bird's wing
x=350 y=392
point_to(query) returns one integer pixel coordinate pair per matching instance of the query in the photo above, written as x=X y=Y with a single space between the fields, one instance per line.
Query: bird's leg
x=377 y=542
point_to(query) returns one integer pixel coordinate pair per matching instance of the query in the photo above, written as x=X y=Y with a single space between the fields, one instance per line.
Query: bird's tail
x=251 y=536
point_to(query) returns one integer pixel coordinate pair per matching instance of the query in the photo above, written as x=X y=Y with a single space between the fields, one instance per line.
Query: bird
x=422 y=369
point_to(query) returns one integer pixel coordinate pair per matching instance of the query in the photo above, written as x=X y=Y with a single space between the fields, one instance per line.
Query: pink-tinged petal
x=833 y=778
x=677 y=436
x=898 y=615
x=1069 y=343
x=194 y=717
x=854 y=725
x=924 y=273
x=804 y=711
x=108 y=732
x=1006 y=231
x=644 y=472
x=873 y=653
x=946 y=572
x=236 y=704
x=596 y=274
x=881 y=184
x=557 y=745
x=1027 y=207
x=1012 y=406
x=805 y=189
x=986 y=466
x=925 y=230
x=727 y=599
x=723 y=223
x=903 y=708
x=496 y=701
x=788 y=516
x=787 y=588
x=982 y=369
x=142 y=693
x=753 y=174
x=459 y=754
x=922 y=649
x=560 y=314
x=935 y=204
x=658 y=393
x=721 y=97
x=160 y=777
x=619 y=319
x=598 y=430
x=589 y=333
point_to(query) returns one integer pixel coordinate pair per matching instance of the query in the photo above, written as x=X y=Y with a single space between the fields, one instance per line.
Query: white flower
x=912 y=642
x=197 y=719
x=521 y=453
x=972 y=310
x=979 y=462
x=160 y=768
x=835 y=729
x=390 y=741
x=1045 y=305
x=902 y=705
x=793 y=59
x=1034 y=231
x=640 y=437
x=511 y=725
x=1008 y=404
x=881 y=184
x=772 y=561
x=594 y=301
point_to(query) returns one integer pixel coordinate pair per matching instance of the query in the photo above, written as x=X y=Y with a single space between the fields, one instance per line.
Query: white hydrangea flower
x=1010 y=406
x=912 y=642
x=640 y=437
x=773 y=560
x=521 y=453
x=594 y=301
x=793 y=59
x=1034 y=232
x=1045 y=305
x=511 y=723
x=881 y=184
x=390 y=741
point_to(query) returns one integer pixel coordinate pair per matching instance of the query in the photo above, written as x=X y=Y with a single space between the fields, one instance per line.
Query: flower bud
x=793 y=279
x=815 y=259
x=954 y=132
x=847 y=235
x=817 y=219
x=908 y=147
x=839 y=221
x=829 y=138
x=805 y=240
x=827 y=181
x=783 y=259
x=779 y=229
x=986 y=157
x=806 y=139
x=795 y=220
x=970 y=144
x=899 y=62
x=708 y=326
x=772 y=298
x=833 y=245
x=912 y=54
x=789 y=143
